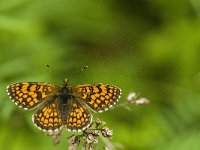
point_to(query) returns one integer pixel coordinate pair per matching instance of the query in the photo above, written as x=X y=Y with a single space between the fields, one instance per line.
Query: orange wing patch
x=100 y=97
x=29 y=94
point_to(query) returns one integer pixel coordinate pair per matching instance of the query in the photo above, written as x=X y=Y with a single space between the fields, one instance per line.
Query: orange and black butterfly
x=64 y=105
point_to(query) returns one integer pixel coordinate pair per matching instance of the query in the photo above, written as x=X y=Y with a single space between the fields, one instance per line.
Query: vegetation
x=148 y=47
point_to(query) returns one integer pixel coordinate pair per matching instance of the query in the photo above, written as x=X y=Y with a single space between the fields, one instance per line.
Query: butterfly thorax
x=64 y=93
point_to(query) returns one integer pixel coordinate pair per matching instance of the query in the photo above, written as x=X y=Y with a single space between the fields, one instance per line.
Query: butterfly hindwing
x=48 y=117
x=78 y=116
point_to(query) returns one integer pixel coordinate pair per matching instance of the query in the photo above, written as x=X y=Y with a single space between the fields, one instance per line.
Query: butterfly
x=63 y=106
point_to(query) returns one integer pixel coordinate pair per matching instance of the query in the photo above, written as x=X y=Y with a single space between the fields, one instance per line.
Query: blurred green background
x=149 y=47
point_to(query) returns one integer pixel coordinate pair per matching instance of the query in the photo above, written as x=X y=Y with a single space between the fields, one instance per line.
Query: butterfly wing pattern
x=79 y=116
x=47 y=117
x=100 y=97
x=63 y=106
x=28 y=95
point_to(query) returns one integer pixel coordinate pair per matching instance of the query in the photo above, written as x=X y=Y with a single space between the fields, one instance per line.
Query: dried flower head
x=56 y=136
x=89 y=137
x=106 y=132
x=133 y=98
x=141 y=101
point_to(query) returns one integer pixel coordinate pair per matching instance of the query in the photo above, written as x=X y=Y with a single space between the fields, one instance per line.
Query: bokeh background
x=148 y=47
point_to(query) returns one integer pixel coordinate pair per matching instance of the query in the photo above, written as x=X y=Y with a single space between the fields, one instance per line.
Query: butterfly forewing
x=29 y=94
x=99 y=97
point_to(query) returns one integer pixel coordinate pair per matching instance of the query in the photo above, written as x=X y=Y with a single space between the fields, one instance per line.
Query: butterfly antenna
x=77 y=73
x=54 y=72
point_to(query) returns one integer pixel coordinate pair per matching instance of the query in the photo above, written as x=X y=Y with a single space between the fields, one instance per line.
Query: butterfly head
x=66 y=82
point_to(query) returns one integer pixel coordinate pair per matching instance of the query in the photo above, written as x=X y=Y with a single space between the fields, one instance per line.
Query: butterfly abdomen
x=63 y=96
